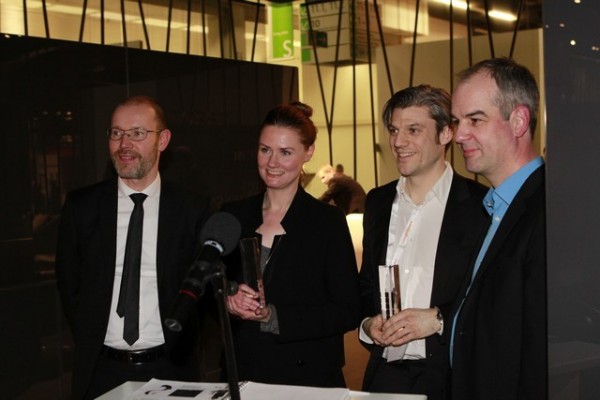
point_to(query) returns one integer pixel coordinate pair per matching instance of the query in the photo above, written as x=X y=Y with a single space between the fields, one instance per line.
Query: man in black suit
x=427 y=223
x=499 y=334
x=91 y=256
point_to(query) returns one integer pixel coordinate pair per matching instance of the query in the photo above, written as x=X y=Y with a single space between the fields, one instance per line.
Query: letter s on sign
x=289 y=50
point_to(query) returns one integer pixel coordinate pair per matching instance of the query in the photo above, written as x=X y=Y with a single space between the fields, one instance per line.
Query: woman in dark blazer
x=310 y=275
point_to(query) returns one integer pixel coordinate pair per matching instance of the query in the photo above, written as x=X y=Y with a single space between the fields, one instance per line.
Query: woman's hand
x=244 y=304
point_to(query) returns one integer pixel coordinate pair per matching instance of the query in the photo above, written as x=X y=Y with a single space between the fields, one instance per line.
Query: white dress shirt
x=150 y=327
x=413 y=236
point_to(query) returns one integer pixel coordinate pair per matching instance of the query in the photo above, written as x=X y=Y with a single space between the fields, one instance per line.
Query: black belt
x=134 y=356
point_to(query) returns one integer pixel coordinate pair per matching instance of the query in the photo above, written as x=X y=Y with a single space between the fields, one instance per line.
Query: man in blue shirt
x=498 y=339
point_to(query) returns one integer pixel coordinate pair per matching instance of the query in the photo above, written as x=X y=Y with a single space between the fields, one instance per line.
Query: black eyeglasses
x=135 y=134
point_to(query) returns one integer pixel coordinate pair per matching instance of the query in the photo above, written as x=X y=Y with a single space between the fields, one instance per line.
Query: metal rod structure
x=232 y=29
x=102 y=21
x=514 y=38
x=126 y=46
x=414 y=45
x=189 y=27
x=333 y=92
x=220 y=19
x=469 y=30
x=371 y=94
x=169 y=16
x=255 y=30
x=489 y=27
x=144 y=25
x=85 y=2
x=382 y=39
x=26 y=25
x=312 y=40
x=204 y=45
x=46 y=25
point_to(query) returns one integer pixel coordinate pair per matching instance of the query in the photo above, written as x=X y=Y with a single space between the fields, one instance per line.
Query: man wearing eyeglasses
x=115 y=295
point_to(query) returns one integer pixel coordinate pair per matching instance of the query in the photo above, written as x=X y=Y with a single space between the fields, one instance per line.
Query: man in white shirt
x=428 y=223
x=119 y=338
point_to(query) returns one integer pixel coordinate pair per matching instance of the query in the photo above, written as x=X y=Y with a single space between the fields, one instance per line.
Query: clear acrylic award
x=389 y=289
x=251 y=269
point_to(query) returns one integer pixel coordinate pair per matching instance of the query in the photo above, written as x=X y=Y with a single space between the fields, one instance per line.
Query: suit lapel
x=451 y=236
x=515 y=212
x=107 y=236
x=167 y=211
x=382 y=223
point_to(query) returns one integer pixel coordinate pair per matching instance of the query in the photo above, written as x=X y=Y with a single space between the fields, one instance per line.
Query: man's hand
x=408 y=325
x=372 y=327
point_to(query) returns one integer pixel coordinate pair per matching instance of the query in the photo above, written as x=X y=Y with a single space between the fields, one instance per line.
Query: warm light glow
x=462 y=5
x=108 y=15
x=573 y=42
x=502 y=15
x=259 y=37
x=455 y=3
x=113 y=16
x=197 y=29
x=162 y=23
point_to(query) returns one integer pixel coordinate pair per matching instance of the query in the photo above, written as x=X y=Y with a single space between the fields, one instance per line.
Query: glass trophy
x=389 y=289
x=251 y=269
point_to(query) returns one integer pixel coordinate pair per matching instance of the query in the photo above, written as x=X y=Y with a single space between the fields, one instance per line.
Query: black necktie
x=129 y=295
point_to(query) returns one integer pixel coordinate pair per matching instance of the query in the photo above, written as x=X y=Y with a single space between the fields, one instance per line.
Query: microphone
x=219 y=236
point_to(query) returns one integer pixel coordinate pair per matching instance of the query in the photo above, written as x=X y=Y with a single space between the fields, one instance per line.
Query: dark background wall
x=572 y=82
x=56 y=99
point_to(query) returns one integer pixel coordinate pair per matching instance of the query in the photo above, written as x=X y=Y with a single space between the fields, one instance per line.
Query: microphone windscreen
x=224 y=229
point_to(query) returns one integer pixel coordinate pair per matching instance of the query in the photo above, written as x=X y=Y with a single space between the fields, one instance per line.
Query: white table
x=126 y=389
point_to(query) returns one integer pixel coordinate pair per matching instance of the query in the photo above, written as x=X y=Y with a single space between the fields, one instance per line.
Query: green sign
x=282 y=30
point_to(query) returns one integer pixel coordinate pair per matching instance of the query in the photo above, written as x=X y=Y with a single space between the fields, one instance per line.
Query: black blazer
x=500 y=343
x=85 y=266
x=312 y=279
x=464 y=219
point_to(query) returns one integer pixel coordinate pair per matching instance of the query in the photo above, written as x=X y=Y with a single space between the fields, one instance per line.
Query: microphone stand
x=222 y=289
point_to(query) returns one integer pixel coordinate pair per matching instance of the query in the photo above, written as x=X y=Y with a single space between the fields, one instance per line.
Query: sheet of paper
x=173 y=390
x=262 y=391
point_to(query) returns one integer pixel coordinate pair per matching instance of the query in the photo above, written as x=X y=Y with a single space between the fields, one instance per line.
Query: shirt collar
x=439 y=190
x=504 y=194
x=152 y=190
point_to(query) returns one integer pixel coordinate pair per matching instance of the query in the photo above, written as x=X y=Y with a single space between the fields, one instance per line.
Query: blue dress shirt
x=496 y=203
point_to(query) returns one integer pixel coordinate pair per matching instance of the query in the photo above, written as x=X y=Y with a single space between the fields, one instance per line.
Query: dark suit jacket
x=463 y=221
x=85 y=266
x=500 y=342
x=312 y=279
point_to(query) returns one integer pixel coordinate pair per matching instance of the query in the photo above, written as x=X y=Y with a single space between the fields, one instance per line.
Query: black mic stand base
x=222 y=290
